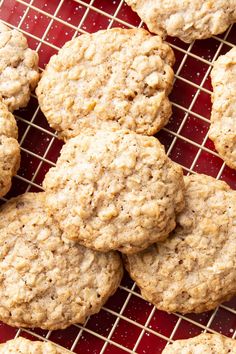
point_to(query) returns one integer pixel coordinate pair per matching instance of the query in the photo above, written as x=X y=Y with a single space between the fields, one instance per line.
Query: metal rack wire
x=126 y=324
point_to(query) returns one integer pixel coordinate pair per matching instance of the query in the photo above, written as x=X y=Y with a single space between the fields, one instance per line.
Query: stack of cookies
x=113 y=189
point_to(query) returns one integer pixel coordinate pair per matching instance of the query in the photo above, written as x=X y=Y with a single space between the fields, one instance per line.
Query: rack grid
x=127 y=323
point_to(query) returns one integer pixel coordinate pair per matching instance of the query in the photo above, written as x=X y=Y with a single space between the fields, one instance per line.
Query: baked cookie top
x=9 y=148
x=194 y=270
x=188 y=19
x=223 y=116
x=204 y=343
x=115 y=190
x=117 y=78
x=22 y=345
x=18 y=68
x=45 y=282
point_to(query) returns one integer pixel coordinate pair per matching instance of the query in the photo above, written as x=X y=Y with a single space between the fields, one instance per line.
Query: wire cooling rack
x=127 y=323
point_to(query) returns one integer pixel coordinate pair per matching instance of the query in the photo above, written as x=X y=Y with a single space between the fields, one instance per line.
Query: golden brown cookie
x=44 y=281
x=115 y=191
x=112 y=79
x=188 y=19
x=194 y=269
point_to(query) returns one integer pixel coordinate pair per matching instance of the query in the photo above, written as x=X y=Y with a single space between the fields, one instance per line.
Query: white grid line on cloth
x=106 y=340
x=31 y=124
x=31 y=35
x=21 y=331
x=115 y=14
x=28 y=128
x=186 y=110
x=43 y=159
x=187 y=53
x=49 y=25
x=144 y=329
x=174 y=330
x=180 y=317
x=78 y=28
x=139 y=325
x=25 y=14
x=117 y=320
x=211 y=319
x=78 y=336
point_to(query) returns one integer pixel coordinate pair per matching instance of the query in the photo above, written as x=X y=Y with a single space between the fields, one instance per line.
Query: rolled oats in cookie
x=44 y=281
x=115 y=190
x=18 y=68
x=9 y=148
x=205 y=343
x=22 y=345
x=223 y=117
x=186 y=19
x=194 y=269
x=112 y=79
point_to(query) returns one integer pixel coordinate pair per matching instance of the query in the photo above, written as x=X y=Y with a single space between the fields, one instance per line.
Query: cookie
x=9 y=148
x=45 y=282
x=194 y=270
x=22 y=345
x=18 y=68
x=204 y=343
x=189 y=19
x=112 y=79
x=223 y=117
x=115 y=190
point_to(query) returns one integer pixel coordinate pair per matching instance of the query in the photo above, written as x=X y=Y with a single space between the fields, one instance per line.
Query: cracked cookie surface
x=115 y=190
x=112 y=79
x=44 y=281
x=188 y=19
x=194 y=269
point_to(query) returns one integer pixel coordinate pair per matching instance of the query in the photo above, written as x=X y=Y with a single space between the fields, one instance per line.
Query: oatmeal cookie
x=194 y=269
x=22 y=345
x=223 y=116
x=204 y=343
x=44 y=281
x=112 y=79
x=115 y=190
x=9 y=148
x=188 y=19
x=18 y=68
